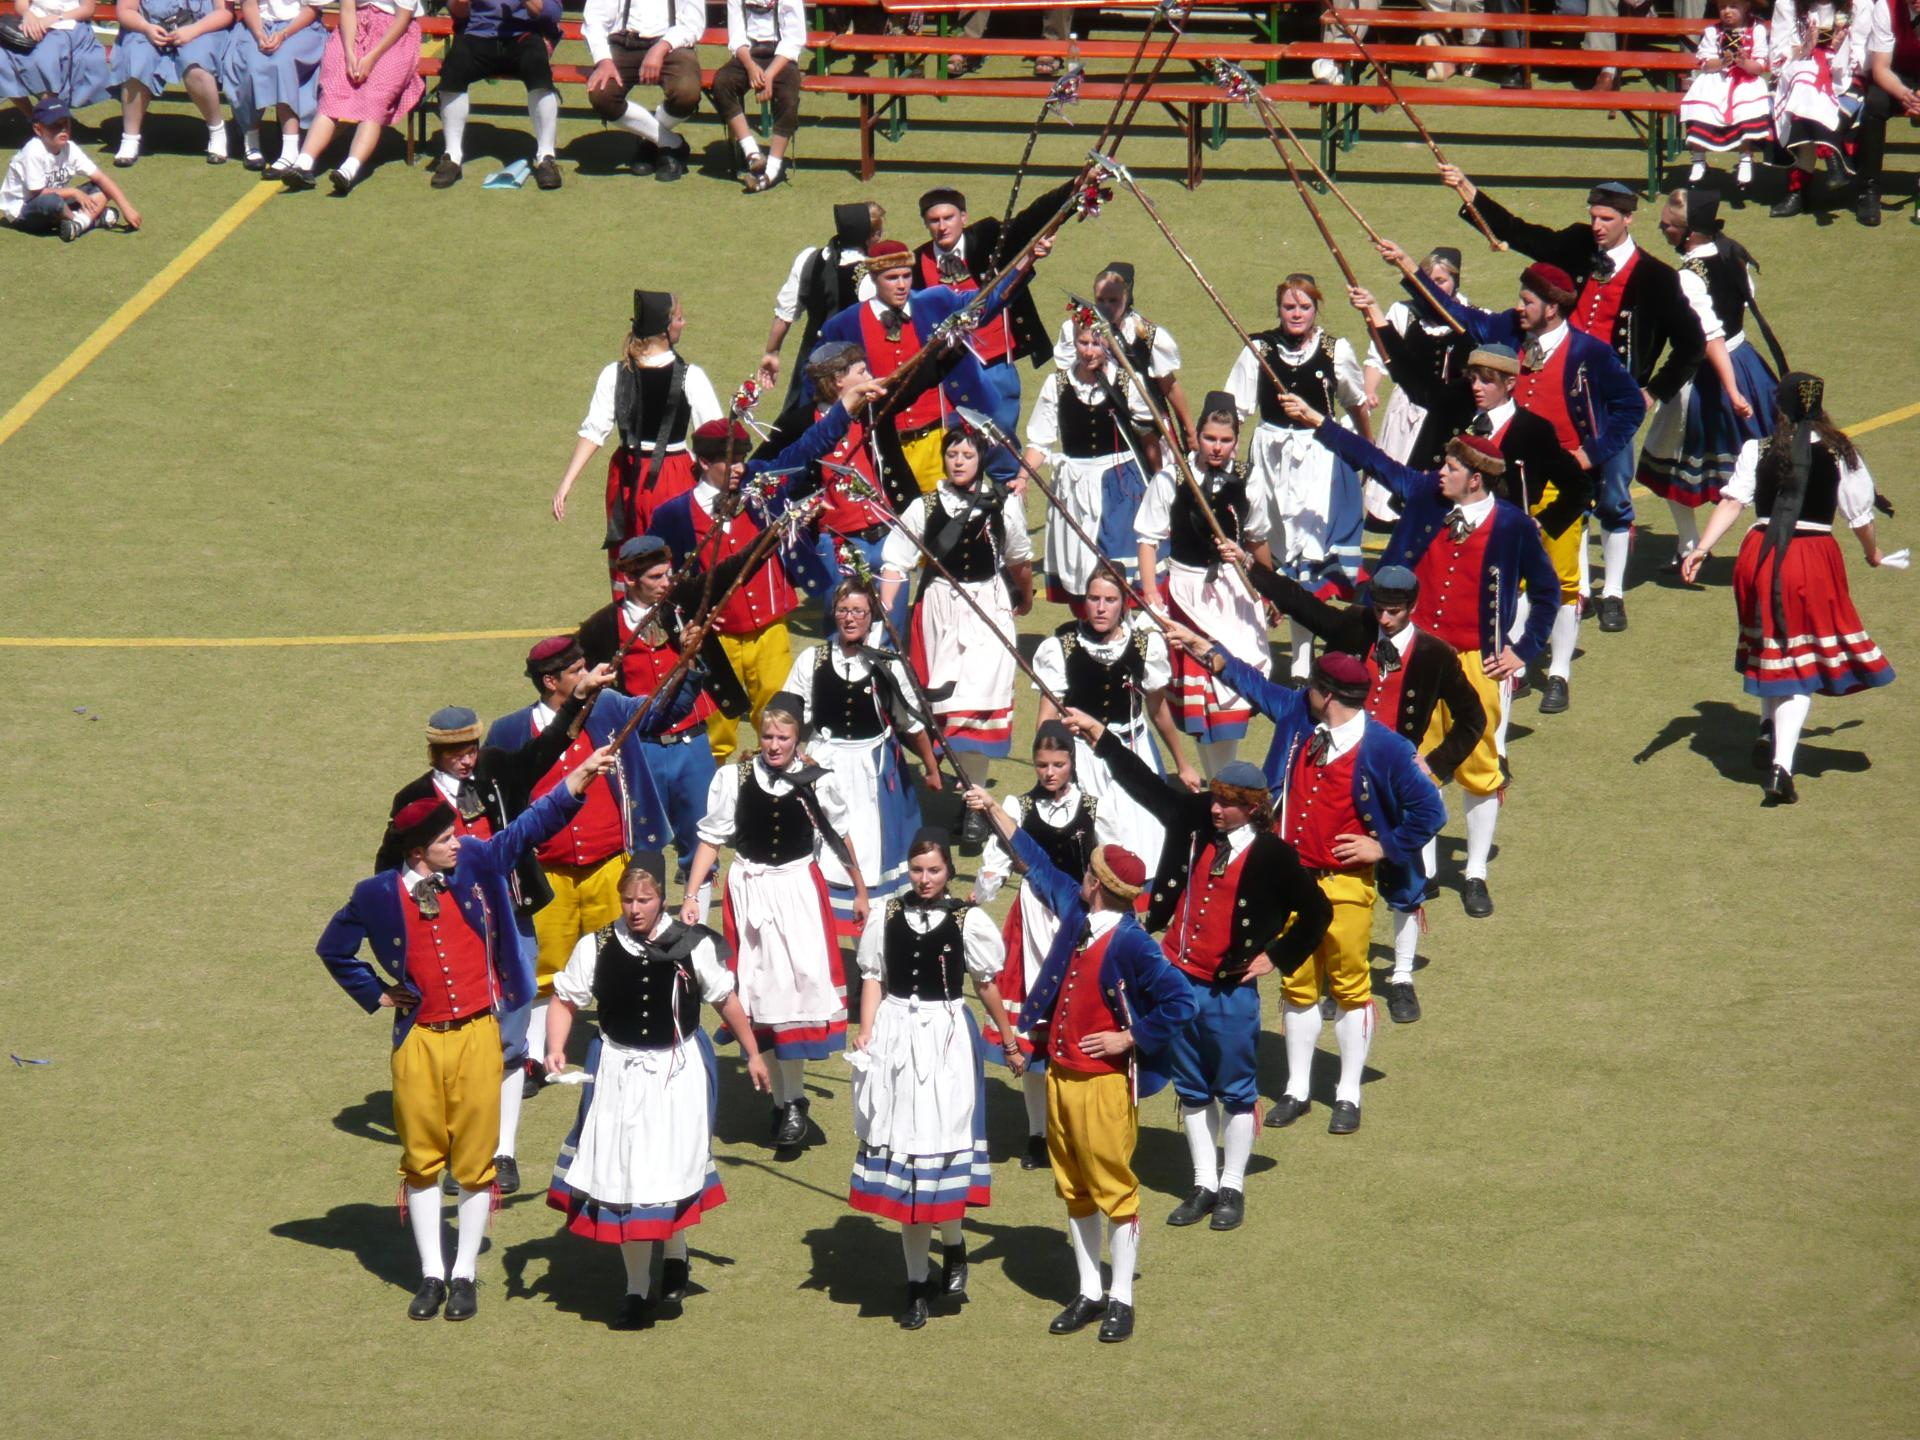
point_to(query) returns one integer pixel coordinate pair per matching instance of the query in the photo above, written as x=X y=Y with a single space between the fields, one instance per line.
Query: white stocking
x=423 y=1215
x=1354 y=1031
x=1302 y=1026
x=1483 y=814
x=543 y=107
x=638 y=1255
x=1565 y=638
x=639 y=120
x=1123 y=1237
x=1686 y=528
x=1788 y=718
x=950 y=1236
x=1084 y=1232
x=1614 y=545
x=677 y=1246
x=1238 y=1147
x=475 y=1206
x=1406 y=943
x=453 y=125
x=512 y=1092
x=1033 y=1089
x=916 y=1241
x=668 y=123
x=1203 y=1137
x=789 y=1081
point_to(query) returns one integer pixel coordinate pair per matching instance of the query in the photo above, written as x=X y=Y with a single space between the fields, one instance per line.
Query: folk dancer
x=824 y=280
x=1151 y=350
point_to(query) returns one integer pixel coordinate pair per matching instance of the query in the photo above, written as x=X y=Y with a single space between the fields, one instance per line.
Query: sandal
x=1046 y=68
x=753 y=173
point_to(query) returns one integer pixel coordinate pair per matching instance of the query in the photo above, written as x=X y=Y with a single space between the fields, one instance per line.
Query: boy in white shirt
x=39 y=194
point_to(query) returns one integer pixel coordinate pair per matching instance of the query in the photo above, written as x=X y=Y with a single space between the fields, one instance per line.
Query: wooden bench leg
x=1329 y=138
x=1195 y=144
x=866 y=138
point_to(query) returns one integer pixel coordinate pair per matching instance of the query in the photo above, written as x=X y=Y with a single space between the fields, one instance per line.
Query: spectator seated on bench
x=646 y=42
x=514 y=38
x=764 y=39
x=66 y=60
x=163 y=42
x=272 y=63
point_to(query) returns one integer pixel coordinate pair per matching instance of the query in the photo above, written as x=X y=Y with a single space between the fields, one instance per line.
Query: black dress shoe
x=1229 y=1209
x=1036 y=1156
x=1345 y=1119
x=915 y=1315
x=1285 y=1111
x=1553 y=696
x=546 y=174
x=1195 y=1208
x=506 y=1174
x=1867 y=208
x=672 y=163
x=636 y=1312
x=343 y=184
x=953 y=1272
x=646 y=158
x=791 y=1132
x=1475 y=900
x=1403 y=1006
x=1118 y=1325
x=428 y=1299
x=297 y=177
x=535 y=1082
x=1763 y=748
x=675 y=1277
x=1779 y=788
x=255 y=163
x=1793 y=203
x=1613 y=614
x=463 y=1302
x=809 y=1129
x=1077 y=1316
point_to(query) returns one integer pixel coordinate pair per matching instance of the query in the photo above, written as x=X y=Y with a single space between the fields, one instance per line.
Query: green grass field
x=1646 y=1169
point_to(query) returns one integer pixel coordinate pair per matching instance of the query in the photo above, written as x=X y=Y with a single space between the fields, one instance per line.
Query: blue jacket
x=1396 y=801
x=1603 y=398
x=477 y=886
x=1516 y=557
x=644 y=813
x=1151 y=999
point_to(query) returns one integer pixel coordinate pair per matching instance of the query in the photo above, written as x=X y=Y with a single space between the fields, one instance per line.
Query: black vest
x=1189 y=536
x=1069 y=846
x=965 y=549
x=1107 y=691
x=1312 y=380
x=642 y=998
x=770 y=829
x=846 y=709
x=1822 y=500
x=641 y=395
x=1727 y=292
x=932 y=966
x=1089 y=432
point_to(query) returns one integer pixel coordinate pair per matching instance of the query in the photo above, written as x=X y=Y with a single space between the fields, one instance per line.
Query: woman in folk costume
x=858 y=709
x=656 y=400
x=1427 y=346
x=1728 y=105
x=982 y=543
x=1151 y=348
x=1083 y=428
x=780 y=814
x=1060 y=818
x=1813 y=54
x=637 y=1169
x=1202 y=593
x=919 y=1088
x=1799 y=633
x=1696 y=437
x=1318 y=510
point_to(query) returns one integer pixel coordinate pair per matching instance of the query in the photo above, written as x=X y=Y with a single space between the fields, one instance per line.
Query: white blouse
x=1050 y=659
x=1043 y=425
x=899 y=558
x=981 y=947
x=702 y=404
x=1163 y=359
x=574 y=984
x=852 y=668
x=996 y=861
x=1350 y=383
x=1153 y=522
x=723 y=800
x=1856 y=488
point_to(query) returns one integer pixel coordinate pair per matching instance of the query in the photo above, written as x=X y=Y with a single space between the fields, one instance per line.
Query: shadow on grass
x=1722 y=733
x=1320 y=1084
x=369 y=1119
x=585 y=1277
x=377 y=1236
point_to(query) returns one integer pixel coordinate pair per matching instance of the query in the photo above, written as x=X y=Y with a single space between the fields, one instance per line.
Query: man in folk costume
x=1357 y=807
x=646 y=42
x=1415 y=686
x=1104 y=1011
x=646 y=631
x=1627 y=299
x=1235 y=905
x=581 y=862
x=496 y=39
x=825 y=279
x=1476 y=556
x=434 y=925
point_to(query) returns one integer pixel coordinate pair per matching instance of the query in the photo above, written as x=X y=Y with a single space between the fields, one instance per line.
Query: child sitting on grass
x=38 y=195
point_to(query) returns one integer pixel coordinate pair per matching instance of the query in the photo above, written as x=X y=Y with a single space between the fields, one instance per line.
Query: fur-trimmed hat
x=1477 y=452
x=1342 y=676
x=421 y=823
x=1549 y=282
x=1120 y=870
x=453 y=725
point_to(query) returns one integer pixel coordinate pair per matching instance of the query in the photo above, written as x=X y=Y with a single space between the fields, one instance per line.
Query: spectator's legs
x=134 y=100
x=679 y=94
x=289 y=133
x=611 y=104
x=1603 y=40
x=1871 y=131
x=41 y=215
x=786 y=116
x=1509 y=39
x=453 y=124
x=543 y=108
x=203 y=88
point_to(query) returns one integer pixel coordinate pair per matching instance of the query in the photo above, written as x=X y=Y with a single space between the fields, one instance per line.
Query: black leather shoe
x=1229 y=1209
x=1036 y=1156
x=1867 y=208
x=953 y=1272
x=463 y=1302
x=1077 y=1316
x=428 y=1299
x=1345 y=1119
x=297 y=177
x=1285 y=1111
x=1793 y=203
x=646 y=158
x=1118 y=1325
x=506 y=1174
x=636 y=1313
x=1403 y=1006
x=446 y=173
x=343 y=184
x=547 y=174
x=672 y=163
x=1195 y=1208
x=1780 y=789
x=915 y=1315
x=1763 y=748
x=1553 y=696
x=791 y=1132
x=675 y=1277
x=535 y=1081
x=808 y=1129
x=1475 y=900
x=255 y=163
x=973 y=830
x=1613 y=614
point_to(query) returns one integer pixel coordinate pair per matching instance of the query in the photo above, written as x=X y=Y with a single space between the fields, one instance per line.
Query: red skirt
x=630 y=506
x=1825 y=650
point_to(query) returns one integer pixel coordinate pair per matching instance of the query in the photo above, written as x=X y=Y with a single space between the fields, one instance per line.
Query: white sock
x=749 y=146
x=349 y=167
x=916 y=1240
x=1033 y=1089
x=453 y=125
x=423 y=1215
x=1788 y=718
x=129 y=145
x=1686 y=528
x=950 y=1237
x=1084 y=1232
x=1354 y=1030
x=217 y=137
x=1564 y=639
x=1302 y=661
x=775 y=163
x=82 y=221
x=1406 y=943
x=475 y=1207
x=1430 y=855
x=1203 y=1133
x=638 y=1255
x=677 y=1246
x=537 y=1034
x=512 y=1092
x=543 y=107
x=1613 y=552
x=1483 y=813
x=250 y=141
x=304 y=161
x=1123 y=1237
x=1301 y=1024
x=290 y=146
x=791 y=1082
x=668 y=122
x=1238 y=1145
x=1214 y=755
x=640 y=121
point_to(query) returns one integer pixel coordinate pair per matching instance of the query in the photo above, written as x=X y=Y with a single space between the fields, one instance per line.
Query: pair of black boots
x=949 y=1285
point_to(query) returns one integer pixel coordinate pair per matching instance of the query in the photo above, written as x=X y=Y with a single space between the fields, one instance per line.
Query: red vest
x=596 y=832
x=1544 y=392
x=885 y=356
x=446 y=961
x=991 y=341
x=643 y=668
x=1081 y=1010
x=847 y=514
x=1202 y=927
x=1320 y=807
x=1450 y=578
x=1383 y=696
x=1598 y=307
x=1905 y=59
x=764 y=596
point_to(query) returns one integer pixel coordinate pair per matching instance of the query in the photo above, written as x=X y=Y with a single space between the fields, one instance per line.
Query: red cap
x=716 y=432
x=422 y=822
x=548 y=650
x=1541 y=277
x=1481 y=445
x=894 y=252
x=1343 y=669
x=419 y=810
x=710 y=441
x=1124 y=865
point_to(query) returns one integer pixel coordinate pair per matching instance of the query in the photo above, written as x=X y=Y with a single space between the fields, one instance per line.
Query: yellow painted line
x=143 y=300
x=1892 y=417
x=254 y=642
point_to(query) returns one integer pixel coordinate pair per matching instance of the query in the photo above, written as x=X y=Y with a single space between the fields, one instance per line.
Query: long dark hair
x=1799 y=417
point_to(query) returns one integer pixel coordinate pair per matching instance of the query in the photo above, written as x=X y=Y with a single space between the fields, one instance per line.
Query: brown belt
x=441 y=1027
